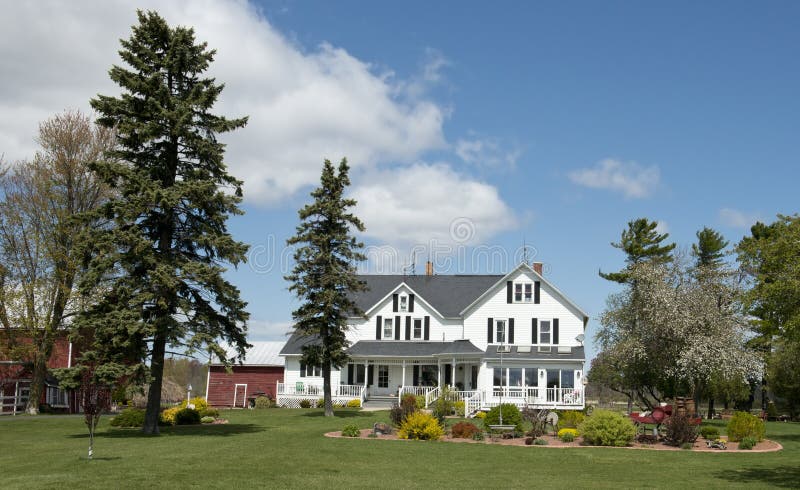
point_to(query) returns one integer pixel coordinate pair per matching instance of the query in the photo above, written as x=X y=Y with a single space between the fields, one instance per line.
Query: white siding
x=291 y=374
x=551 y=306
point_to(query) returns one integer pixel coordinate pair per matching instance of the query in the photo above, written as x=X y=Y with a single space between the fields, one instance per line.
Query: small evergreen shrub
x=420 y=401
x=680 y=430
x=351 y=430
x=570 y=419
x=464 y=430
x=687 y=445
x=130 y=417
x=511 y=416
x=168 y=416
x=305 y=403
x=539 y=442
x=748 y=443
x=443 y=406
x=567 y=435
x=744 y=424
x=709 y=432
x=199 y=403
x=478 y=436
x=187 y=416
x=607 y=428
x=396 y=415
x=459 y=407
x=320 y=403
x=420 y=426
x=263 y=402
x=354 y=403
x=207 y=420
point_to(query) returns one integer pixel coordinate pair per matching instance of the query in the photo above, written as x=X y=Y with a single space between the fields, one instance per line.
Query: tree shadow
x=220 y=430
x=785 y=476
x=339 y=415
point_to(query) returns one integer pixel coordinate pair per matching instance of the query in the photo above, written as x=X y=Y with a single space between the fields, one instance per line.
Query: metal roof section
x=261 y=354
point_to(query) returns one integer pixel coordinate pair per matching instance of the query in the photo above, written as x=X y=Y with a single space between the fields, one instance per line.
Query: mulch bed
x=764 y=446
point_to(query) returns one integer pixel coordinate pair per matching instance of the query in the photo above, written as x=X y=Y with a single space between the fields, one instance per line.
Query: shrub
x=420 y=426
x=444 y=404
x=305 y=403
x=539 y=442
x=464 y=430
x=570 y=419
x=606 y=428
x=209 y=412
x=743 y=424
x=199 y=403
x=351 y=430
x=420 y=401
x=511 y=416
x=537 y=417
x=478 y=436
x=709 y=432
x=187 y=416
x=354 y=403
x=680 y=430
x=396 y=415
x=263 y=402
x=207 y=420
x=320 y=403
x=130 y=417
x=168 y=415
x=459 y=407
x=747 y=443
x=480 y=415
x=647 y=438
x=687 y=445
x=568 y=434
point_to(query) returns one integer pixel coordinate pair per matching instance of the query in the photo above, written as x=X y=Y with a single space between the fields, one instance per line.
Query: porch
x=290 y=395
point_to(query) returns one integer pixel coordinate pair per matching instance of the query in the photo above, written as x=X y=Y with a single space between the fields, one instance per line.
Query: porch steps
x=379 y=403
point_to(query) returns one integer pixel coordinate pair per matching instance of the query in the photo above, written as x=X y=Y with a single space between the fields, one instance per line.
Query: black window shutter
x=427 y=327
x=350 y=369
x=490 y=331
x=397 y=327
x=510 y=330
x=408 y=328
x=394 y=302
x=302 y=370
x=535 y=330
x=378 y=328
x=555 y=331
x=370 y=374
x=509 y=292
x=411 y=303
x=416 y=375
x=537 y=286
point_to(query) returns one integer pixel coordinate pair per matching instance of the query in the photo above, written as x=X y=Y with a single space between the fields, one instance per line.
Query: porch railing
x=414 y=390
x=473 y=403
x=290 y=395
x=431 y=396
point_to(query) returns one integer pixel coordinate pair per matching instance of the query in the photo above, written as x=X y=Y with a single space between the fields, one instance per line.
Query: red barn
x=258 y=374
x=15 y=380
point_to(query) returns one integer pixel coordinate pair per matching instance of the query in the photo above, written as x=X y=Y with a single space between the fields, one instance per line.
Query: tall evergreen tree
x=161 y=262
x=709 y=249
x=324 y=274
x=641 y=243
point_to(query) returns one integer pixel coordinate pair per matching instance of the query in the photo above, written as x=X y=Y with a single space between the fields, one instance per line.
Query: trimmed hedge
x=607 y=428
x=130 y=417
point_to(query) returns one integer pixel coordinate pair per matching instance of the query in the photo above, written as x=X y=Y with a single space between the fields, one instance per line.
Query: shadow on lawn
x=780 y=476
x=336 y=414
x=184 y=430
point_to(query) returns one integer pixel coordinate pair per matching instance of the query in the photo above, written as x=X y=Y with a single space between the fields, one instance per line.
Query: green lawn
x=282 y=448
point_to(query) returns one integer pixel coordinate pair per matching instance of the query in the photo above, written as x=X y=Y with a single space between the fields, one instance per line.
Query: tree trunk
x=711 y=410
x=326 y=389
x=91 y=437
x=153 y=410
x=37 y=381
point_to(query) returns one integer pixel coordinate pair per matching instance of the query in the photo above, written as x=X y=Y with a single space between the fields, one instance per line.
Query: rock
x=381 y=429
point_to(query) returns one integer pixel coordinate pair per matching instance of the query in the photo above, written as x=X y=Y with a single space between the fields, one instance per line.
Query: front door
x=382 y=387
x=240 y=395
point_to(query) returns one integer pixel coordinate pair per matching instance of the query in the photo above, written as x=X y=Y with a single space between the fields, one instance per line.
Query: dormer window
x=403 y=303
x=523 y=292
x=388 y=332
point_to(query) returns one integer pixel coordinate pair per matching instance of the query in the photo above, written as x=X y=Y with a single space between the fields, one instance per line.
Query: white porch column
x=366 y=376
x=439 y=373
x=453 y=375
x=403 y=377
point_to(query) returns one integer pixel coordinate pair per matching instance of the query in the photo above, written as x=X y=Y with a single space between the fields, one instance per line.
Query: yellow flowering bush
x=354 y=403
x=199 y=403
x=568 y=430
x=168 y=415
x=420 y=426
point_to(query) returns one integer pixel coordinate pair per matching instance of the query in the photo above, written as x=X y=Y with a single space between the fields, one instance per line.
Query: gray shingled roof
x=449 y=295
x=389 y=348
x=575 y=354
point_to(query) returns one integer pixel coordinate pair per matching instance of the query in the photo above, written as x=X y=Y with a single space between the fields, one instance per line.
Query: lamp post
x=188 y=394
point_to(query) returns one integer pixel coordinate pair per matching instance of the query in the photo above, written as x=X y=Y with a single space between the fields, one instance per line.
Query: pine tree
x=642 y=243
x=324 y=274
x=709 y=248
x=161 y=261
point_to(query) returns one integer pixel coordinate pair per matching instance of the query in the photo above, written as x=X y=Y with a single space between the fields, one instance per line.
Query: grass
x=283 y=448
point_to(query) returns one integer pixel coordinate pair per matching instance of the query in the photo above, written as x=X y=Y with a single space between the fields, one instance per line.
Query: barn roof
x=261 y=354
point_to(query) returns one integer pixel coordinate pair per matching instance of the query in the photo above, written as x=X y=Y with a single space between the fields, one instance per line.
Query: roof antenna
x=524 y=251
x=410 y=269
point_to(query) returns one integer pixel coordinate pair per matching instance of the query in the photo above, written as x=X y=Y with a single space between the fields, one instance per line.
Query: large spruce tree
x=161 y=262
x=709 y=249
x=641 y=242
x=324 y=274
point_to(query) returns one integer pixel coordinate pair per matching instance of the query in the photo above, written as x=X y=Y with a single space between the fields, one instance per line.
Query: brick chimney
x=429 y=268
x=537 y=266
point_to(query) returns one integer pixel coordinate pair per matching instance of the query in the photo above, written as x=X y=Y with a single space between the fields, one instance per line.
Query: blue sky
x=550 y=123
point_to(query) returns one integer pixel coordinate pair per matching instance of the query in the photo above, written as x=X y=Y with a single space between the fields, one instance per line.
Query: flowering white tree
x=675 y=329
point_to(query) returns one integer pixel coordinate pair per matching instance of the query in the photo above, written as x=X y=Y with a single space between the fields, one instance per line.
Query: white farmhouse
x=489 y=337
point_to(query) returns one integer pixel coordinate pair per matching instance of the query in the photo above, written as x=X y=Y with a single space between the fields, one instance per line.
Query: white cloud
x=424 y=202
x=630 y=178
x=662 y=227
x=737 y=219
x=485 y=152
x=268 y=330
x=303 y=105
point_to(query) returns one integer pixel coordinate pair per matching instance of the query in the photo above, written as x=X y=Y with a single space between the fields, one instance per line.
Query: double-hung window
x=308 y=371
x=500 y=330
x=545 y=335
x=523 y=292
x=388 y=332
x=417 y=333
x=403 y=303
x=518 y=293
